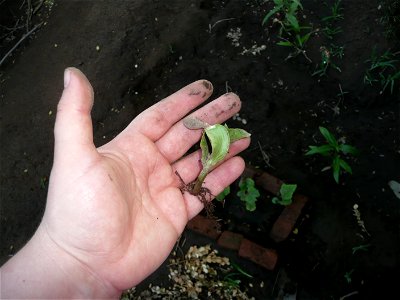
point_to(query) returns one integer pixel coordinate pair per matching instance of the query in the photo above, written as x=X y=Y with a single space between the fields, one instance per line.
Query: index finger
x=157 y=119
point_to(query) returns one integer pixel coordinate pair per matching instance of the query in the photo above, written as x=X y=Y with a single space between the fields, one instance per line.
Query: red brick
x=263 y=179
x=230 y=240
x=264 y=257
x=284 y=225
x=205 y=226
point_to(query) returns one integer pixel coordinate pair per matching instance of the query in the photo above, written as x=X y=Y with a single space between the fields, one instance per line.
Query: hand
x=115 y=212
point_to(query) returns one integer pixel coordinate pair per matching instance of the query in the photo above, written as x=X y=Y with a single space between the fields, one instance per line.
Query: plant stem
x=199 y=182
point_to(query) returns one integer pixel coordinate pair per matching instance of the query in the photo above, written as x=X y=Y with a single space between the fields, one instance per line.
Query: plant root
x=204 y=196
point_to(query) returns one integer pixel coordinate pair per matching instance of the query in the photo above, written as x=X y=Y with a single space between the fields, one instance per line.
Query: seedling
x=347 y=275
x=326 y=61
x=231 y=278
x=383 y=69
x=291 y=32
x=248 y=193
x=334 y=150
x=219 y=137
x=330 y=30
x=285 y=194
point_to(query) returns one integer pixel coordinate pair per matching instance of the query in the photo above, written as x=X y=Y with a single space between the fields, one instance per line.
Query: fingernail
x=67 y=77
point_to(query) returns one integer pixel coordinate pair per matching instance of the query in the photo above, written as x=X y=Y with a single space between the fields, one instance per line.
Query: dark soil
x=149 y=49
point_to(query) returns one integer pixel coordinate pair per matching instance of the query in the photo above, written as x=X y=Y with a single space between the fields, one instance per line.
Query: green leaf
x=218 y=136
x=347 y=149
x=323 y=150
x=248 y=193
x=221 y=196
x=205 y=152
x=271 y=13
x=293 y=22
x=236 y=134
x=336 y=168
x=287 y=191
x=345 y=166
x=285 y=43
x=328 y=136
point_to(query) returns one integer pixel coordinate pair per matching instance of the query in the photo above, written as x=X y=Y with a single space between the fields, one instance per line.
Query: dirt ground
x=137 y=52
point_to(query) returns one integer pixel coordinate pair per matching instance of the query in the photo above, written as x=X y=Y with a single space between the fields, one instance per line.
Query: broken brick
x=205 y=226
x=230 y=240
x=285 y=223
x=264 y=257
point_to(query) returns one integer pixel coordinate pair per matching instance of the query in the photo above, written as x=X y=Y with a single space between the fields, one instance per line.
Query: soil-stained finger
x=159 y=118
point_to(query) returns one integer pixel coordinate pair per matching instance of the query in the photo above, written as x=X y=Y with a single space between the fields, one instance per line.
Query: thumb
x=73 y=129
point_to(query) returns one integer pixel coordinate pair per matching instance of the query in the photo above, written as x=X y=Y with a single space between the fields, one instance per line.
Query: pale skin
x=114 y=213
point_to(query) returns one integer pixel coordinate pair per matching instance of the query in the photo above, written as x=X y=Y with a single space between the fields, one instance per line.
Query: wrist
x=42 y=269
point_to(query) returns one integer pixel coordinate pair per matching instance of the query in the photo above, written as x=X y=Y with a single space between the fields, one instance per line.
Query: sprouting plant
x=326 y=61
x=286 y=7
x=334 y=150
x=285 y=194
x=347 y=275
x=219 y=137
x=221 y=196
x=360 y=248
x=248 y=193
x=383 y=69
x=231 y=278
x=336 y=12
x=330 y=29
x=291 y=32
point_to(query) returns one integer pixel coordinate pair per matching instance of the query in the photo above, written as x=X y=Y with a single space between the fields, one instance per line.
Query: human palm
x=119 y=209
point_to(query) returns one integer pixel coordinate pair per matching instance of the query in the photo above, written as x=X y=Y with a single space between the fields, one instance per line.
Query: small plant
x=334 y=150
x=248 y=193
x=326 y=61
x=291 y=33
x=219 y=137
x=383 y=69
x=231 y=278
x=347 y=276
x=285 y=194
x=330 y=29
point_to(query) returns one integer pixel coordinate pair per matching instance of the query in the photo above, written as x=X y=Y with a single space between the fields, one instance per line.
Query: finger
x=73 y=128
x=189 y=167
x=156 y=120
x=215 y=182
x=178 y=140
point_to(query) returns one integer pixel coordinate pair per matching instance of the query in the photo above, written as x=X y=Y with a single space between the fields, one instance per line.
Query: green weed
x=383 y=69
x=326 y=60
x=248 y=193
x=335 y=151
x=285 y=196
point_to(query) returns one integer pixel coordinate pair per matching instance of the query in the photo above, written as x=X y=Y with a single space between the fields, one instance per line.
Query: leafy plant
x=330 y=29
x=383 y=69
x=285 y=194
x=231 y=278
x=219 y=137
x=326 y=61
x=291 y=33
x=248 y=193
x=347 y=275
x=334 y=150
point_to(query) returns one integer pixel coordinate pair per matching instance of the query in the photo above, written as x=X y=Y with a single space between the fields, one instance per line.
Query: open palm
x=118 y=209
